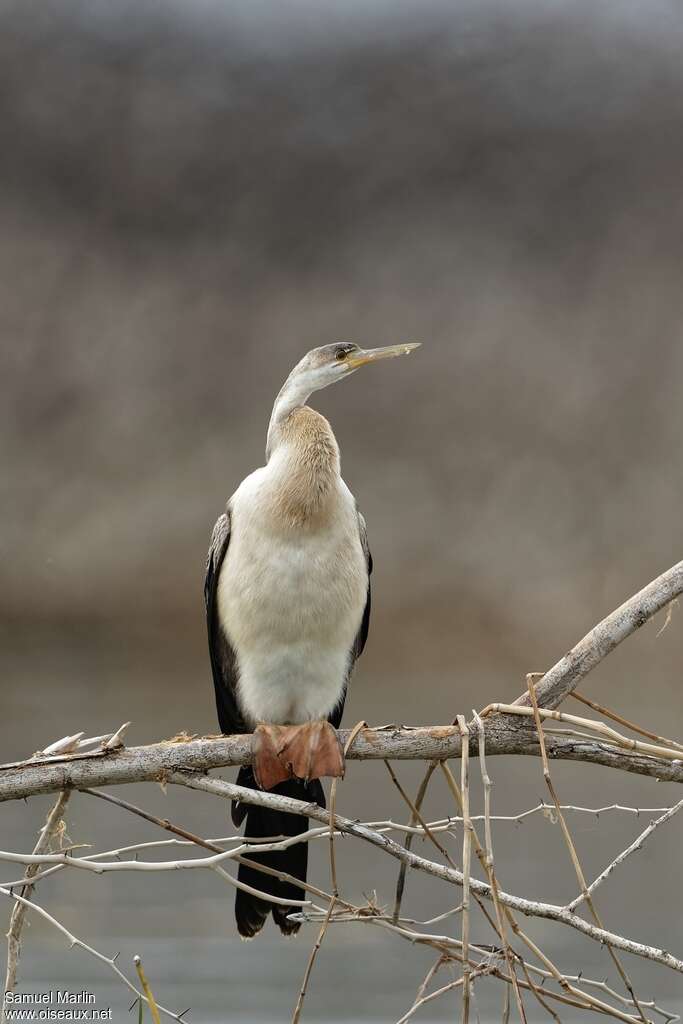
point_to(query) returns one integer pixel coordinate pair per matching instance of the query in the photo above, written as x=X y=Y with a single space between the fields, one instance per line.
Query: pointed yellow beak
x=371 y=355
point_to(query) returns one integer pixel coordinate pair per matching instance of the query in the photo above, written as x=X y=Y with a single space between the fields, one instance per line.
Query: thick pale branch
x=139 y=764
x=154 y=763
x=559 y=681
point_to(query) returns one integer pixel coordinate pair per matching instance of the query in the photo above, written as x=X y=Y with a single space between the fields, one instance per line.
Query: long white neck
x=302 y=476
x=293 y=394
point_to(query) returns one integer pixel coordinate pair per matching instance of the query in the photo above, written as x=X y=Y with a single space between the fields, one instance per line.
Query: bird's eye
x=341 y=353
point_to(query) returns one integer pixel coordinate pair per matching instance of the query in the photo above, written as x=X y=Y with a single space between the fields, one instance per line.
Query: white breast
x=291 y=600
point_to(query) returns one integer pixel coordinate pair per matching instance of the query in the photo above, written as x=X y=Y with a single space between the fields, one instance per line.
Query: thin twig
x=419 y=1003
x=466 y=862
x=668 y=617
x=608 y=713
x=637 y=844
x=571 y=996
x=533 y=908
x=102 y=867
x=589 y=1001
x=488 y=864
x=535 y=989
x=335 y=887
x=408 y=842
x=333 y=804
x=585 y=999
x=212 y=844
x=431 y=973
x=572 y=849
x=668 y=753
x=154 y=820
x=494 y=890
x=418 y=817
x=262 y=845
x=208 y=844
x=383 y=826
x=18 y=916
x=74 y=941
x=505 y=1018
x=311 y=960
x=151 y=1002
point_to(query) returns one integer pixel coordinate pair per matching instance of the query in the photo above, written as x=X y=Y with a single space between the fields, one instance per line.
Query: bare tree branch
x=531 y=908
x=155 y=762
x=507 y=730
x=567 y=673
x=636 y=845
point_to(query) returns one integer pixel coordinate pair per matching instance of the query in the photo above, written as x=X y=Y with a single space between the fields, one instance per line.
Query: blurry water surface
x=354 y=980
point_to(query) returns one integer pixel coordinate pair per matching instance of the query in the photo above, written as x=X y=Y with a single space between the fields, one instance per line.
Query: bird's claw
x=310 y=751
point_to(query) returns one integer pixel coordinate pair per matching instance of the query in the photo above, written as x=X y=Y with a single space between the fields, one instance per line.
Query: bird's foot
x=310 y=751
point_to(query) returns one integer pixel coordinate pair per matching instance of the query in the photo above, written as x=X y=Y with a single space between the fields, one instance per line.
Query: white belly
x=291 y=603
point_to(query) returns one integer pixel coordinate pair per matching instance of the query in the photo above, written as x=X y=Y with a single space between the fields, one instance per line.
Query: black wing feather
x=359 y=645
x=362 y=635
x=223 y=658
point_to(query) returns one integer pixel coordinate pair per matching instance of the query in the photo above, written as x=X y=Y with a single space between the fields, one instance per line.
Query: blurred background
x=191 y=196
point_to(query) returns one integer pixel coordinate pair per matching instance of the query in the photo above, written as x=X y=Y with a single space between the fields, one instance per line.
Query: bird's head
x=330 y=363
x=319 y=368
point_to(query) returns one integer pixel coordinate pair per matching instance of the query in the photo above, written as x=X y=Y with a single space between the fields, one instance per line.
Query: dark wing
x=359 y=645
x=362 y=635
x=223 y=659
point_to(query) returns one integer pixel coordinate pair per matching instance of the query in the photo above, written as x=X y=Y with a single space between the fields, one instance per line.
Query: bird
x=287 y=595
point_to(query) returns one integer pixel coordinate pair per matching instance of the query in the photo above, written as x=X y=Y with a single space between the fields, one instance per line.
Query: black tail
x=251 y=911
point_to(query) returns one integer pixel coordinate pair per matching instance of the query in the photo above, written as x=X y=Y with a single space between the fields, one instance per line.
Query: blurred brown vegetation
x=192 y=195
